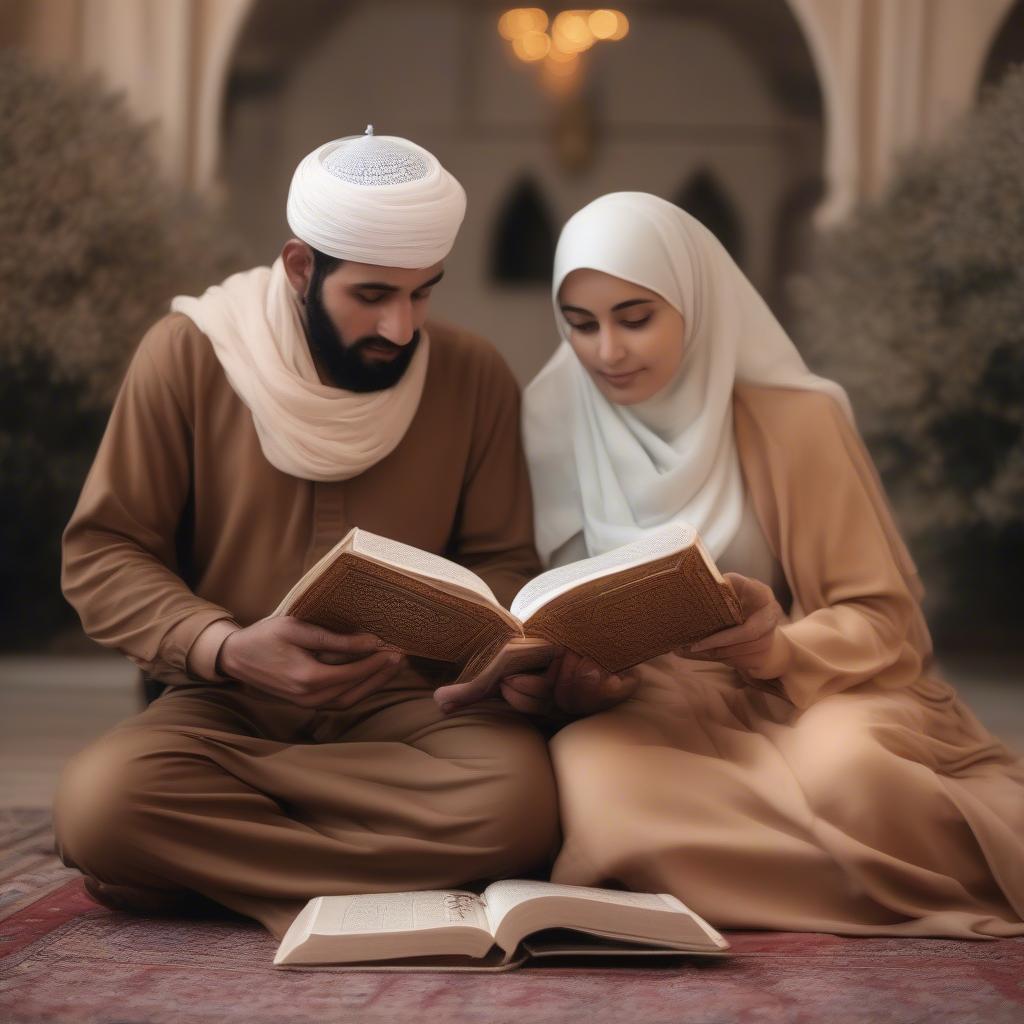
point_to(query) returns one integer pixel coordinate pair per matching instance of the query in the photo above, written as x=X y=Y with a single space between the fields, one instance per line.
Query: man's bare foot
x=132 y=899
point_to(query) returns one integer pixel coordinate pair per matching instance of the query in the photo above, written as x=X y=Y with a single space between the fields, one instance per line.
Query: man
x=256 y=425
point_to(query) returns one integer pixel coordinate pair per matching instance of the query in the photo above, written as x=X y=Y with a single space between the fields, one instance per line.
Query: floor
x=52 y=706
x=70 y=962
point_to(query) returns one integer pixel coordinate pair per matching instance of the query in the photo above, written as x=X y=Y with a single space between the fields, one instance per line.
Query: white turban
x=376 y=199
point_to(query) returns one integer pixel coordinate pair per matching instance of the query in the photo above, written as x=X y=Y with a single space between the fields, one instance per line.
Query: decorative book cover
x=647 y=610
x=620 y=609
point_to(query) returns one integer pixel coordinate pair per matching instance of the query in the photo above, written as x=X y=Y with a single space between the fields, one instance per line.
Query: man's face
x=363 y=322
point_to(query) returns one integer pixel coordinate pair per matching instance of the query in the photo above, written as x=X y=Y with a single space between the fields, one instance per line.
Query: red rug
x=63 y=960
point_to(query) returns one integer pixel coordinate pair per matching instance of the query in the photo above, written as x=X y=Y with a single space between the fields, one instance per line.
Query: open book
x=507 y=924
x=620 y=608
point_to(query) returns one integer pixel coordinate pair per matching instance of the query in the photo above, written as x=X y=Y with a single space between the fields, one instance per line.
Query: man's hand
x=757 y=646
x=519 y=655
x=571 y=685
x=287 y=658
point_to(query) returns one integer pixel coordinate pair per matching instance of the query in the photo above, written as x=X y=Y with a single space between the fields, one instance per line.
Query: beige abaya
x=856 y=794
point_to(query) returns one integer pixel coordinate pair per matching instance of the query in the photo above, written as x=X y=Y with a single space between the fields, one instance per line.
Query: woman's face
x=629 y=339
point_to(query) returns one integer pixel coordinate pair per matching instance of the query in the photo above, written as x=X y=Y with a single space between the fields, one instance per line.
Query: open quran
x=620 y=608
x=510 y=922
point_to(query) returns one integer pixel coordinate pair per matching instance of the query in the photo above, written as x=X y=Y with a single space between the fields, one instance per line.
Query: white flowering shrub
x=916 y=305
x=93 y=245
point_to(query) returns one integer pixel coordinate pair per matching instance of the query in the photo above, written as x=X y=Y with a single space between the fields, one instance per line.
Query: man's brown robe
x=183 y=531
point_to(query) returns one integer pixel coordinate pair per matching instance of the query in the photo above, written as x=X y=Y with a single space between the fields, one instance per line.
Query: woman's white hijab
x=615 y=472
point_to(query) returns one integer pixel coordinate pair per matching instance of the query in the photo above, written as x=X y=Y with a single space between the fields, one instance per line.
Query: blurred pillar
x=219 y=24
x=168 y=57
x=895 y=74
x=144 y=48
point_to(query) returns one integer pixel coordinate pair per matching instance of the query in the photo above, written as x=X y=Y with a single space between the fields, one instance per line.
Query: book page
x=565 y=942
x=517 y=908
x=501 y=897
x=666 y=540
x=421 y=563
x=400 y=912
x=494 y=961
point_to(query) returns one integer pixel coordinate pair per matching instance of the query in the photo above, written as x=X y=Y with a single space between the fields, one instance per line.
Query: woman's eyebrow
x=615 y=308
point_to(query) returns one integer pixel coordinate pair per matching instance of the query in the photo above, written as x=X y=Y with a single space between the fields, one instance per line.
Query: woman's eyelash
x=589 y=327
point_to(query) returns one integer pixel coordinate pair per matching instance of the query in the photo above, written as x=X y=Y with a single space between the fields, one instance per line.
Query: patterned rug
x=29 y=869
x=63 y=960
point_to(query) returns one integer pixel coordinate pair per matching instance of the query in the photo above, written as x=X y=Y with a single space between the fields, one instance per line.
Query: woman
x=806 y=770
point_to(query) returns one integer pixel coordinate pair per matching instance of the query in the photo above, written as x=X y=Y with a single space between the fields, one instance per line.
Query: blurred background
x=863 y=160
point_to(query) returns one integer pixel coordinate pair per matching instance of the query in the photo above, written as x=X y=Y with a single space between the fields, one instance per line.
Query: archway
x=705 y=199
x=1007 y=47
x=715 y=85
x=524 y=238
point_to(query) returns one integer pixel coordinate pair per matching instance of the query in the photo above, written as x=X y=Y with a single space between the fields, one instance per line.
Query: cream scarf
x=614 y=471
x=306 y=429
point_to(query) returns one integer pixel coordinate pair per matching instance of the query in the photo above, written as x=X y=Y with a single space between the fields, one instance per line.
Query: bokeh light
x=559 y=56
x=572 y=32
x=519 y=21
x=603 y=23
x=532 y=46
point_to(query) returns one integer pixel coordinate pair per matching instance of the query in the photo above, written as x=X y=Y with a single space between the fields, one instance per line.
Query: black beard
x=344 y=363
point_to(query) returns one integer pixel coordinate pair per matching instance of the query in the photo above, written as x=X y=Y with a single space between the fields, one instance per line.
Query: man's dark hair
x=322 y=266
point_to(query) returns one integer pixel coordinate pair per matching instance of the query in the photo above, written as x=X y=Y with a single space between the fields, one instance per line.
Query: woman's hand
x=757 y=646
x=573 y=685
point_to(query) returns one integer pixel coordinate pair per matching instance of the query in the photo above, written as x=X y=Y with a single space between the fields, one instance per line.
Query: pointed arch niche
x=523 y=247
x=1007 y=47
x=702 y=197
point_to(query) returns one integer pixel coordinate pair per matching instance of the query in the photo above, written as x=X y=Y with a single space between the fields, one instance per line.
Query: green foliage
x=916 y=305
x=95 y=245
